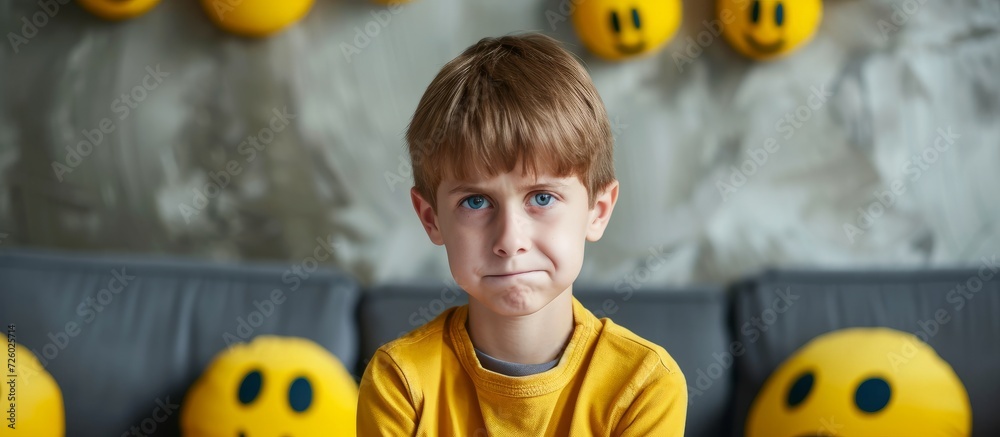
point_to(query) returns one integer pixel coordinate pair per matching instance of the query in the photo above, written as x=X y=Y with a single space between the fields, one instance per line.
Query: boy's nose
x=513 y=235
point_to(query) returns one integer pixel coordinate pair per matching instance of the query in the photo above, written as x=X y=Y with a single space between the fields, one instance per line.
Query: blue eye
x=300 y=394
x=541 y=199
x=872 y=395
x=779 y=14
x=755 y=12
x=635 y=18
x=250 y=387
x=475 y=202
x=614 y=22
x=800 y=389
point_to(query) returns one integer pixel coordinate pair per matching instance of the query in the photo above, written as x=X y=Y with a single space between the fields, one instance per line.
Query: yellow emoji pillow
x=273 y=386
x=862 y=382
x=118 y=9
x=32 y=402
x=618 y=30
x=766 y=29
x=255 y=17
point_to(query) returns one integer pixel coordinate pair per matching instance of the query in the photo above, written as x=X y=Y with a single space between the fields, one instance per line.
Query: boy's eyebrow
x=463 y=188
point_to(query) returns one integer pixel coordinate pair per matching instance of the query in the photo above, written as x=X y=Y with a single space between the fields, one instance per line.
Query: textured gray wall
x=334 y=170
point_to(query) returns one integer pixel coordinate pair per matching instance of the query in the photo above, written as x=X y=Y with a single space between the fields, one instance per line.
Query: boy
x=513 y=172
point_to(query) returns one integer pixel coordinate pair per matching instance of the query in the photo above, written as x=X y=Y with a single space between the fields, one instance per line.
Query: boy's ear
x=427 y=216
x=600 y=214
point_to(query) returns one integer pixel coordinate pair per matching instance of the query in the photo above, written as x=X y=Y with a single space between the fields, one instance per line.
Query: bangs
x=486 y=143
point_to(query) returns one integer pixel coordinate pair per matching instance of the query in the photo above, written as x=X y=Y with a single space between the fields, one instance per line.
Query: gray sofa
x=145 y=327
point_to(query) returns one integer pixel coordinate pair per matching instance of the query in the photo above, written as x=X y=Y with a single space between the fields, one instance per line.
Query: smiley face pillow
x=252 y=18
x=862 y=382
x=768 y=29
x=32 y=402
x=273 y=386
x=618 y=30
x=255 y=18
x=118 y=9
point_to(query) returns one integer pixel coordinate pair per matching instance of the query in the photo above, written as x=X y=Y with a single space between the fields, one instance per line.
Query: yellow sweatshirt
x=609 y=382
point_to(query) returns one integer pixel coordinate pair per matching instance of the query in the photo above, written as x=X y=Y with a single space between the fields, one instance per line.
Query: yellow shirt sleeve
x=385 y=404
x=658 y=409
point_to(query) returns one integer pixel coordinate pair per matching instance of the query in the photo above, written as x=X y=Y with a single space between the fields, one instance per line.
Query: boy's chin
x=515 y=300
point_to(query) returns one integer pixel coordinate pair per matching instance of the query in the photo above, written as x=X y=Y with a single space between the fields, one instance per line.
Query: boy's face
x=515 y=242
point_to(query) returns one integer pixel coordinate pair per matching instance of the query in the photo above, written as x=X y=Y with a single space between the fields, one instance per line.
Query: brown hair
x=509 y=100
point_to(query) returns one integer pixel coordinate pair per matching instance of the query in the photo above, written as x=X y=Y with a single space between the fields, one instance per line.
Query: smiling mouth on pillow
x=630 y=49
x=761 y=47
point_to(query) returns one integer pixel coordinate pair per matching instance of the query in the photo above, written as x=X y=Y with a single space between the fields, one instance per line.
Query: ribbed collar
x=514 y=369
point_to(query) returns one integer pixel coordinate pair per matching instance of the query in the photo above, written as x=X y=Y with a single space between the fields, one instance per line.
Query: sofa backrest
x=125 y=335
x=778 y=312
x=690 y=323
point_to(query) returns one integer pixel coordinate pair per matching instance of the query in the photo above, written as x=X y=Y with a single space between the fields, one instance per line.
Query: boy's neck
x=533 y=339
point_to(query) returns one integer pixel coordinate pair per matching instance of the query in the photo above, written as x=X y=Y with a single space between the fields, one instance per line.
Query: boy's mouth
x=510 y=275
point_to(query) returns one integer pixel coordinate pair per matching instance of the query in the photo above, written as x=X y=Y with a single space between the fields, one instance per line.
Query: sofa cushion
x=691 y=324
x=118 y=355
x=780 y=311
